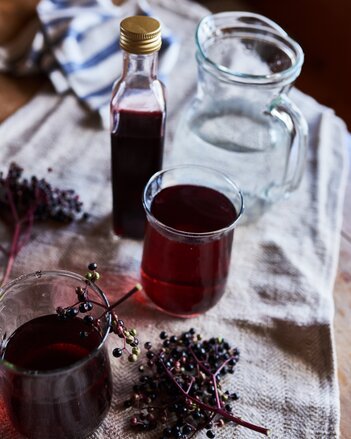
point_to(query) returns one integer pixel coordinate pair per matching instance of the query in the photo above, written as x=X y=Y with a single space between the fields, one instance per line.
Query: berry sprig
x=85 y=304
x=181 y=387
x=26 y=201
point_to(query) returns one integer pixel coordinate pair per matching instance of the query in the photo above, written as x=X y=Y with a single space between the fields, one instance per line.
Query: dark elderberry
x=163 y=335
x=83 y=307
x=167 y=432
x=117 y=352
x=82 y=297
x=135 y=343
x=166 y=343
x=147 y=345
x=150 y=355
x=92 y=266
x=72 y=312
x=187 y=429
x=89 y=320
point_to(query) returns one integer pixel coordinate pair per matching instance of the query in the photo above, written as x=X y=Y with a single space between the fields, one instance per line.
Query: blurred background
x=321 y=27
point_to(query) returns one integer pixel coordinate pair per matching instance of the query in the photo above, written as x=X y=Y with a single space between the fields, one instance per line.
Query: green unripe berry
x=129 y=339
x=132 y=358
x=89 y=275
x=136 y=351
x=133 y=332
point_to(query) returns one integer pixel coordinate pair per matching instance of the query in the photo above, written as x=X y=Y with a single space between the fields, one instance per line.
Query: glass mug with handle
x=241 y=119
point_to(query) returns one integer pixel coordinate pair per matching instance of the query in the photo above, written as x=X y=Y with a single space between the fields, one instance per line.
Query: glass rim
x=269 y=28
x=77 y=364
x=183 y=233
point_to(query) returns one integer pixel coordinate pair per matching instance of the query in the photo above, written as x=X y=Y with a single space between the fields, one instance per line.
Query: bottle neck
x=140 y=65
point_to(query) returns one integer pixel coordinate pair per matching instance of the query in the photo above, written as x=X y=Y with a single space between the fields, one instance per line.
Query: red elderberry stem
x=126 y=296
x=214 y=381
x=16 y=243
x=190 y=384
x=200 y=363
x=212 y=375
x=29 y=219
x=11 y=201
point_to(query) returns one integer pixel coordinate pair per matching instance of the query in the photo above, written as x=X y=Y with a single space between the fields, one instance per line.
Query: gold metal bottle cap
x=140 y=34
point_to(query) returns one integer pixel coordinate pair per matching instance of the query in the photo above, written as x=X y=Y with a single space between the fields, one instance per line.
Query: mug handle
x=286 y=111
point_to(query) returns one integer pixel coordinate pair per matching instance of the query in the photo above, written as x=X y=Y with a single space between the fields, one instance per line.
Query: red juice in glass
x=55 y=373
x=73 y=404
x=188 y=241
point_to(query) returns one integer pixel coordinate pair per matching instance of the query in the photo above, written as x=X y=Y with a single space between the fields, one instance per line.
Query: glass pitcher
x=241 y=120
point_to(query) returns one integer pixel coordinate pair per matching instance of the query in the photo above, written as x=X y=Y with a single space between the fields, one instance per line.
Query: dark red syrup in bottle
x=137 y=150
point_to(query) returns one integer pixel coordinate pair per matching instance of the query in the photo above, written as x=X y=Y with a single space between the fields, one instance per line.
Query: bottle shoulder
x=146 y=96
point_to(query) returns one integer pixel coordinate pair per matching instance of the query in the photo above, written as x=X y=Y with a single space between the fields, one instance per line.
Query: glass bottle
x=138 y=113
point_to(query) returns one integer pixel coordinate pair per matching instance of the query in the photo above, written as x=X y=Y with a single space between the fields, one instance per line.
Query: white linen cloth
x=278 y=307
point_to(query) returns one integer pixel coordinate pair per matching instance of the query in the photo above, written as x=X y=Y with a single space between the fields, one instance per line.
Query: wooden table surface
x=16 y=92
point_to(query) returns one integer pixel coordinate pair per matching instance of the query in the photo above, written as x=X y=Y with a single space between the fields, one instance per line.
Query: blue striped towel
x=76 y=44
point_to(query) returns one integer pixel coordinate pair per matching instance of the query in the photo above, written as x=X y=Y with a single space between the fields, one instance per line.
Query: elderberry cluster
x=84 y=305
x=180 y=386
x=23 y=202
x=129 y=336
x=37 y=197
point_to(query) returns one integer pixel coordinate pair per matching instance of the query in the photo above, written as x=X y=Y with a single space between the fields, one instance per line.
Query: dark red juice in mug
x=183 y=275
x=137 y=151
x=66 y=404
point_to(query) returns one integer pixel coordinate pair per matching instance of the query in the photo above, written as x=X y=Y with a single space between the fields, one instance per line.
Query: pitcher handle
x=287 y=112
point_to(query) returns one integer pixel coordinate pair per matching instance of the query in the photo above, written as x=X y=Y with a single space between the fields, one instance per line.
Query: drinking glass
x=64 y=402
x=191 y=215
